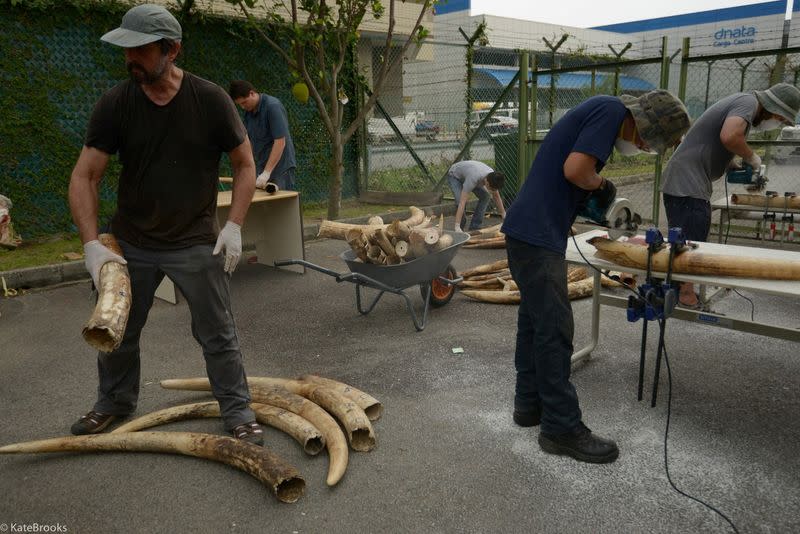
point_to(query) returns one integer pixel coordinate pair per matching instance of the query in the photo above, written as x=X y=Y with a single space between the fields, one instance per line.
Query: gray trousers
x=205 y=285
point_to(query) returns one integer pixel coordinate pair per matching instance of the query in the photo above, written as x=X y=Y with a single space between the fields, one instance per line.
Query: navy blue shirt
x=548 y=203
x=267 y=123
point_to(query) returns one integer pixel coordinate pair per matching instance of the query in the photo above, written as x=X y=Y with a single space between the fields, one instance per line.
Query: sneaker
x=250 y=432
x=581 y=444
x=528 y=418
x=93 y=423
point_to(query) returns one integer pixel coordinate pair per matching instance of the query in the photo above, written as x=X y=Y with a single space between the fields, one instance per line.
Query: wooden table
x=274 y=225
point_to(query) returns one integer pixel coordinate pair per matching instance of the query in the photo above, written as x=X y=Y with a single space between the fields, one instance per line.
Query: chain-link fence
x=448 y=112
x=445 y=114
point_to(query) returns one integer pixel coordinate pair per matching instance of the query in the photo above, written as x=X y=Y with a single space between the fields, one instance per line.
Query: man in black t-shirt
x=170 y=129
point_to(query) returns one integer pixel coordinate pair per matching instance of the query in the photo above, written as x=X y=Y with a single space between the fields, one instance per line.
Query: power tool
x=619 y=218
x=754 y=179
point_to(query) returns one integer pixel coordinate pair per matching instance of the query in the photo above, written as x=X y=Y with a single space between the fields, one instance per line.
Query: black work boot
x=581 y=444
x=528 y=417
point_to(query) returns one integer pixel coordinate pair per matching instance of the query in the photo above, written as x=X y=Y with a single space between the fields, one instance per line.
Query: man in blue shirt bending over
x=563 y=176
x=267 y=127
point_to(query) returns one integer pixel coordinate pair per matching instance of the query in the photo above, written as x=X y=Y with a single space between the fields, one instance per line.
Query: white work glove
x=262 y=179
x=458 y=228
x=230 y=239
x=754 y=161
x=95 y=256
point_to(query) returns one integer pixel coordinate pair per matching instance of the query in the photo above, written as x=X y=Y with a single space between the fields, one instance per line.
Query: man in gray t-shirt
x=471 y=176
x=708 y=150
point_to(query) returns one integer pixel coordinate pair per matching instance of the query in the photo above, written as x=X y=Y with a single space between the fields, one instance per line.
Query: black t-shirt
x=167 y=197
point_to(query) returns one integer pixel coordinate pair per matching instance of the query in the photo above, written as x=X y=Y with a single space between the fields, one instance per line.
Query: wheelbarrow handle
x=304 y=263
x=451 y=281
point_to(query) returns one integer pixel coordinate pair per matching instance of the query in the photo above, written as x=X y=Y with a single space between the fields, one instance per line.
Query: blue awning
x=571 y=80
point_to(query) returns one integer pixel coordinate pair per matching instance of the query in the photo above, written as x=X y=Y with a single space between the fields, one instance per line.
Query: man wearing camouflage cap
x=709 y=149
x=563 y=177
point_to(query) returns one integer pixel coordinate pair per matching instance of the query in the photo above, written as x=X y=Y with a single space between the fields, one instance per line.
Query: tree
x=320 y=40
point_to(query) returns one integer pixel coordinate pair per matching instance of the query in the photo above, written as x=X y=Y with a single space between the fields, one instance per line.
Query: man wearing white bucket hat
x=709 y=149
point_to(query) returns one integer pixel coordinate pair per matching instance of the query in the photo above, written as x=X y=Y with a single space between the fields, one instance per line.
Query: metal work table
x=775 y=287
x=729 y=211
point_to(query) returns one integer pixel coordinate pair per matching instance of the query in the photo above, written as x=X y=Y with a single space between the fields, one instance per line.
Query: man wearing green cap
x=563 y=177
x=708 y=151
x=170 y=129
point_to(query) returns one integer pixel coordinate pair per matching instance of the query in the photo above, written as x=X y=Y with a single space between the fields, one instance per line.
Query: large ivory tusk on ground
x=493 y=297
x=696 y=262
x=485 y=269
x=371 y=406
x=360 y=433
x=301 y=430
x=106 y=326
x=762 y=200
x=335 y=441
x=281 y=478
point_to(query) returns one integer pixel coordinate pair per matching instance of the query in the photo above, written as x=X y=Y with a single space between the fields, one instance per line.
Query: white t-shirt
x=470 y=173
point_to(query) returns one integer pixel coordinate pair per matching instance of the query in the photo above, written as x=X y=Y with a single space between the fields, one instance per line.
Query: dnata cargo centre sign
x=735 y=36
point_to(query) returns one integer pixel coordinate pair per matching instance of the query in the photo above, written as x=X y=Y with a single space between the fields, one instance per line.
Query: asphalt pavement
x=448 y=456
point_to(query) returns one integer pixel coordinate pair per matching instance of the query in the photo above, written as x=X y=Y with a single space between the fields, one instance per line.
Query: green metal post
x=684 y=69
x=530 y=153
x=594 y=82
x=522 y=129
x=665 y=63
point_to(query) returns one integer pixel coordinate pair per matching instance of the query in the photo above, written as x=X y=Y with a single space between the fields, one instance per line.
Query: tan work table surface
x=776 y=287
x=274 y=225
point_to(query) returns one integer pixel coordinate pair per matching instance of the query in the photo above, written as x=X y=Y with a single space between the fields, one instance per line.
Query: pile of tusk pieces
x=394 y=243
x=493 y=283
x=310 y=409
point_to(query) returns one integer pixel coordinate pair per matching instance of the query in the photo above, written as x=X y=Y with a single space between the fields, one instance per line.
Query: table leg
x=586 y=352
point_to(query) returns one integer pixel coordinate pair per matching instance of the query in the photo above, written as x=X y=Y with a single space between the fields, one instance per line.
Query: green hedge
x=54 y=68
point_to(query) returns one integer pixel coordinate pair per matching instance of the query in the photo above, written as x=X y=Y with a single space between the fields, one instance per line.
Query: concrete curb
x=59 y=273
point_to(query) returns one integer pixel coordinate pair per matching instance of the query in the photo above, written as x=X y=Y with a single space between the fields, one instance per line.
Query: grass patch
x=41 y=252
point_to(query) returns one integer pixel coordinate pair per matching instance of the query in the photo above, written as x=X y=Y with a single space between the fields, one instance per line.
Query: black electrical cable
x=613 y=278
x=661 y=324
x=752 y=305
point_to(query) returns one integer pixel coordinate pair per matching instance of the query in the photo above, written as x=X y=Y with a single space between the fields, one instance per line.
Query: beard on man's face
x=141 y=75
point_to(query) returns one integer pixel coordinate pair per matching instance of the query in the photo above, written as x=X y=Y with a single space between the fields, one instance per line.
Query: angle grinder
x=619 y=218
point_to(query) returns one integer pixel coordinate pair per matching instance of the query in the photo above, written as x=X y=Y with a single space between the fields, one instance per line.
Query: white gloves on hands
x=230 y=239
x=754 y=161
x=458 y=228
x=95 y=256
x=262 y=179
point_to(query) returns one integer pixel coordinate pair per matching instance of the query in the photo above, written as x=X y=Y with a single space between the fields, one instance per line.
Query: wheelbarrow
x=432 y=273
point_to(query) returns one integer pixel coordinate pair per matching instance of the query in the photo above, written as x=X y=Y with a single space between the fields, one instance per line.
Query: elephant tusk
x=298 y=428
x=281 y=478
x=106 y=326
x=371 y=406
x=360 y=433
x=335 y=441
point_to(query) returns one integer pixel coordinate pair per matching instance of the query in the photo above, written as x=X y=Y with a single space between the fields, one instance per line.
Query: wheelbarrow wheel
x=441 y=293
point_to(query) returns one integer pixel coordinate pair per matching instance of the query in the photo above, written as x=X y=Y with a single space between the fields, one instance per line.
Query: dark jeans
x=284 y=180
x=544 y=336
x=692 y=215
x=204 y=284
